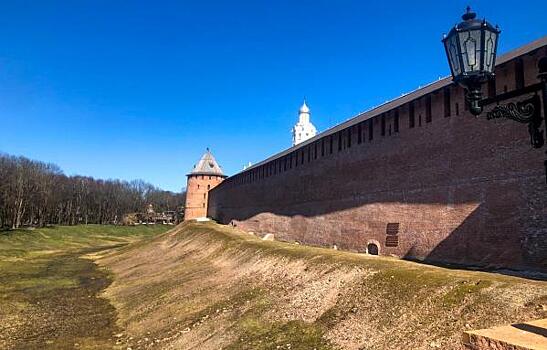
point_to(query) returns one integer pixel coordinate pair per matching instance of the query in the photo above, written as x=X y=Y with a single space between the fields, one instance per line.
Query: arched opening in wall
x=372 y=249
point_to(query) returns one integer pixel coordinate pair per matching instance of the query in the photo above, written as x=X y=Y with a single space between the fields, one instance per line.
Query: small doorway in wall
x=372 y=249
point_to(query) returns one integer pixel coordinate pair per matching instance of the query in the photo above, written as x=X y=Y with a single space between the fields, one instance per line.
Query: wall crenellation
x=461 y=189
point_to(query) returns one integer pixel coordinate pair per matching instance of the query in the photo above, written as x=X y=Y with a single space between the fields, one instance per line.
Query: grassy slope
x=50 y=295
x=221 y=288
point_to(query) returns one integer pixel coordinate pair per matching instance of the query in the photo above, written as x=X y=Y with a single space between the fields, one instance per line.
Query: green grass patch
x=256 y=334
x=462 y=290
x=21 y=242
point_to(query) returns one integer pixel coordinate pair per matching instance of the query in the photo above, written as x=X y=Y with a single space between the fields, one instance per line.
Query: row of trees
x=34 y=193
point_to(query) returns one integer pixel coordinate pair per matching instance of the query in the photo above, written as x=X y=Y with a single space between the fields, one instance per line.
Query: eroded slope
x=206 y=286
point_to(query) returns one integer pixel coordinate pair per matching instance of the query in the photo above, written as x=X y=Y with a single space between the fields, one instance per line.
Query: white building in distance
x=304 y=129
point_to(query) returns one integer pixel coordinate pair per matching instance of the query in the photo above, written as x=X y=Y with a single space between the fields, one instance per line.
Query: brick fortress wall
x=454 y=188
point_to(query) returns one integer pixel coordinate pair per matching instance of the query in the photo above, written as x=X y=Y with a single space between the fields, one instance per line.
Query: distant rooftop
x=207 y=165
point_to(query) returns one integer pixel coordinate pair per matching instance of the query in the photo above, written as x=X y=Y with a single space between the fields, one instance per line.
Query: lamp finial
x=469 y=14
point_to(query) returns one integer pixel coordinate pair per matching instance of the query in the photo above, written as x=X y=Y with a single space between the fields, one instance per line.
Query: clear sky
x=139 y=89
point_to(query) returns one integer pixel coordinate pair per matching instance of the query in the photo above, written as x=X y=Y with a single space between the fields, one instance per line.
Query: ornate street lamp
x=471 y=51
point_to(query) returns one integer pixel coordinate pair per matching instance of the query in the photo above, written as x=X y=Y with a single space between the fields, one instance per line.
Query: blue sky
x=139 y=89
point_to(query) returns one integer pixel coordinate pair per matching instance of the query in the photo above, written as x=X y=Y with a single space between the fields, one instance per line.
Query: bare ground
x=206 y=286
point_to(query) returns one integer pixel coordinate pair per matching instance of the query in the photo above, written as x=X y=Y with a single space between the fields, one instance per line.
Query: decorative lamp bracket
x=526 y=112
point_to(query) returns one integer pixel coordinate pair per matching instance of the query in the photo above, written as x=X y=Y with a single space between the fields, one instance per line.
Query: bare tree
x=34 y=193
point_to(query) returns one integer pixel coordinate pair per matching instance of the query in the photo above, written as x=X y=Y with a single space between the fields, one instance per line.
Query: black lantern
x=471 y=51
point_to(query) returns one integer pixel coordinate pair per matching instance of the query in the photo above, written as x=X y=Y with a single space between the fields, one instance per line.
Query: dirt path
x=53 y=301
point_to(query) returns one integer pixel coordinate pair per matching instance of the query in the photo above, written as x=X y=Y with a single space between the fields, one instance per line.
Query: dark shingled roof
x=207 y=165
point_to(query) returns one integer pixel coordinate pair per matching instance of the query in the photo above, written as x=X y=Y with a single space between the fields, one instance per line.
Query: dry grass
x=206 y=286
x=50 y=297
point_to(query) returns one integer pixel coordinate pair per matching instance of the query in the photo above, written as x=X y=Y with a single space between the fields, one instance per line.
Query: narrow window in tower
x=331 y=141
x=519 y=74
x=339 y=140
x=446 y=100
x=396 y=121
x=204 y=205
x=359 y=133
x=290 y=161
x=322 y=147
x=315 y=150
x=204 y=195
x=428 y=112
x=411 y=117
x=284 y=163
x=208 y=187
x=419 y=120
x=309 y=154
x=383 y=125
x=370 y=130
x=349 y=130
x=198 y=187
x=457 y=109
x=302 y=159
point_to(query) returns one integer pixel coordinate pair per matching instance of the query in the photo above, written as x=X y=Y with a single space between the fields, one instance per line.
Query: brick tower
x=206 y=175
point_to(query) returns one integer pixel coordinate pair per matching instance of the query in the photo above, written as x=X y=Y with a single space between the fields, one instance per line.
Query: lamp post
x=471 y=48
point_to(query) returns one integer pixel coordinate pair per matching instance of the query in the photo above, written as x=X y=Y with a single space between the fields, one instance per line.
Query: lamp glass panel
x=490 y=39
x=451 y=45
x=470 y=45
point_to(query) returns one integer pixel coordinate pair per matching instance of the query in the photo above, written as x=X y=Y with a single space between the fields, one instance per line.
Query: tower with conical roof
x=206 y=175
x=303 y=129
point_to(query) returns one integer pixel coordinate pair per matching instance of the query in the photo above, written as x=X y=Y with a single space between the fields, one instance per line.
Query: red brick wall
x=197 y=189
x=463 y=189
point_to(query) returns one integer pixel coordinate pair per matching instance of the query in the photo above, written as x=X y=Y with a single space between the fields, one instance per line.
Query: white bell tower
x=303 y=129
